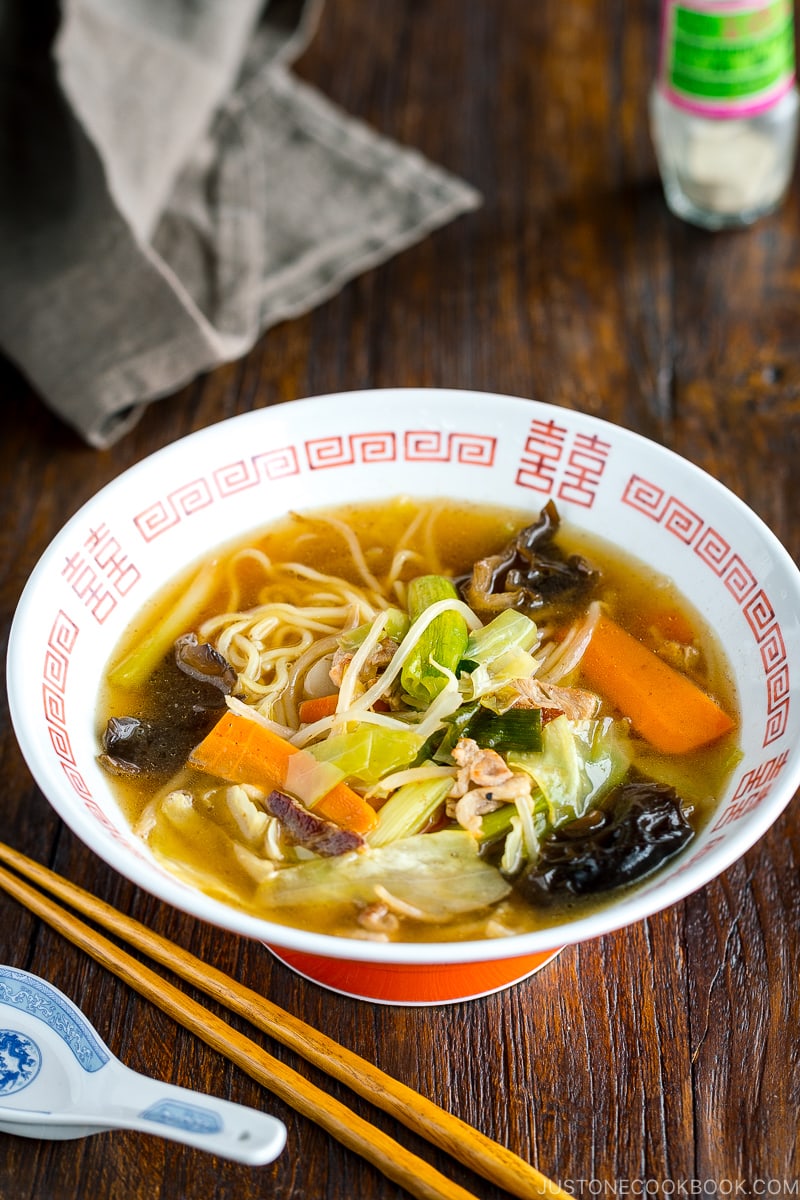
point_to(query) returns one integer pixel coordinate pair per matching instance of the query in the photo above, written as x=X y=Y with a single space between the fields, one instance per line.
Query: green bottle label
x=727 y=58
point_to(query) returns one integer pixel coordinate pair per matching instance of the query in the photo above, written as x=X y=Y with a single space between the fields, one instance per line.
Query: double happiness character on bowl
x=414 y=686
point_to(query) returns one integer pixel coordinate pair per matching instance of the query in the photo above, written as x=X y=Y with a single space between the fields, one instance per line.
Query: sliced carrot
x=344 y=806
x=666 y=708
x=237 y=747
x=317 y=707
x=244 y=751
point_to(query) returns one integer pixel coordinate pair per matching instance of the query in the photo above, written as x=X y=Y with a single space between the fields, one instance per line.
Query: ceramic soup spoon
x=59 y=1080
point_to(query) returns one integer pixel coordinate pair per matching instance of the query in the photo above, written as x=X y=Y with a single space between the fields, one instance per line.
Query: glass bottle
x=724 y=108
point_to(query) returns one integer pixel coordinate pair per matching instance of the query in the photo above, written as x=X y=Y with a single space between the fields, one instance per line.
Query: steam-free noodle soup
x=418 y=720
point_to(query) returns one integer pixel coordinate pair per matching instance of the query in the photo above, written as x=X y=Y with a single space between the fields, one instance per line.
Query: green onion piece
x=455 y=730
x=442 y=643
x=428 y=749
x=467 y=666
x=496 y=824
x=517 y=729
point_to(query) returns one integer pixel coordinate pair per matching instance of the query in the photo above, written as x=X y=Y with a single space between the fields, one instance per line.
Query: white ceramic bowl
x=162 y=514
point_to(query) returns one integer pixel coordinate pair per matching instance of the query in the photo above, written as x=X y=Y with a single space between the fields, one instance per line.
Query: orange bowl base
x=412 y=984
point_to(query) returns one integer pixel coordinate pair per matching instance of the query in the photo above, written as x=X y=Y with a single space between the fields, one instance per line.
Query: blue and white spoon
x=59 y=1080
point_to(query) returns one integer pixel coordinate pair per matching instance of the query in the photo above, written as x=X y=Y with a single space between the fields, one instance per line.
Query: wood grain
x=666 y=1052
x=62 y=905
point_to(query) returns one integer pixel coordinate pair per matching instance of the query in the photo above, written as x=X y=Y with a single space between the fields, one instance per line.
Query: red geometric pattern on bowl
x=338 y=450
x=432 y=445
x=265 y=467
x=189 y=498
x=343 y=450
x=60 y=644
x=177 y=504
x=713 y=550
x=716 y=552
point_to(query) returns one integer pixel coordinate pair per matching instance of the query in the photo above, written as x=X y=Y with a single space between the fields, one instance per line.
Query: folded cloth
x=169 y=190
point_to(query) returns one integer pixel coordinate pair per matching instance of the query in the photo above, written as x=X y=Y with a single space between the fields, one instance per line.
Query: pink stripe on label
x=748 y=107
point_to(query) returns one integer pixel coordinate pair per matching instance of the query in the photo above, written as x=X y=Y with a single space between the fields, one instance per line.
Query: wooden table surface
x=663 y=1059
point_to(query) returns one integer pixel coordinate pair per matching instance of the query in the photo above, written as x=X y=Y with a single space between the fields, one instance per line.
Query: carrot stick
x=317 y=707
x=244 y=751
x=665 y=707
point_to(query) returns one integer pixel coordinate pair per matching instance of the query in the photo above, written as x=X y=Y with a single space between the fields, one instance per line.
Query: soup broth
x=470 y=802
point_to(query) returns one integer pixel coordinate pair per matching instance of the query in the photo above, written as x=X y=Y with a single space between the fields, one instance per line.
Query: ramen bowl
x=162 y=515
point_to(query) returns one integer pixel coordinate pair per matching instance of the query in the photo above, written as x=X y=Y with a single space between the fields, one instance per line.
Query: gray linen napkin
x=169 y=190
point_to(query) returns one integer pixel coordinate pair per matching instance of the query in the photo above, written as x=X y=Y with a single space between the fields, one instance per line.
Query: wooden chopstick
x=397 y=1163
x=444 y=1130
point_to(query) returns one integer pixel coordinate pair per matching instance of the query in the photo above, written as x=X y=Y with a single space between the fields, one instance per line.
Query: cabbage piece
x=580 y=761
x=520 y=827
x=410 y=808
x=310 y=779
x=509 y=630
x=531 y=827
x=440 y=874
x=186 y=836
x=486 y=678
x=369 y=752
x=499 y=651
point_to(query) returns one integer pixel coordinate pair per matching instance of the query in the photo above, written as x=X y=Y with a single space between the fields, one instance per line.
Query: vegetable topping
x=244 y=750
x=666 y=707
